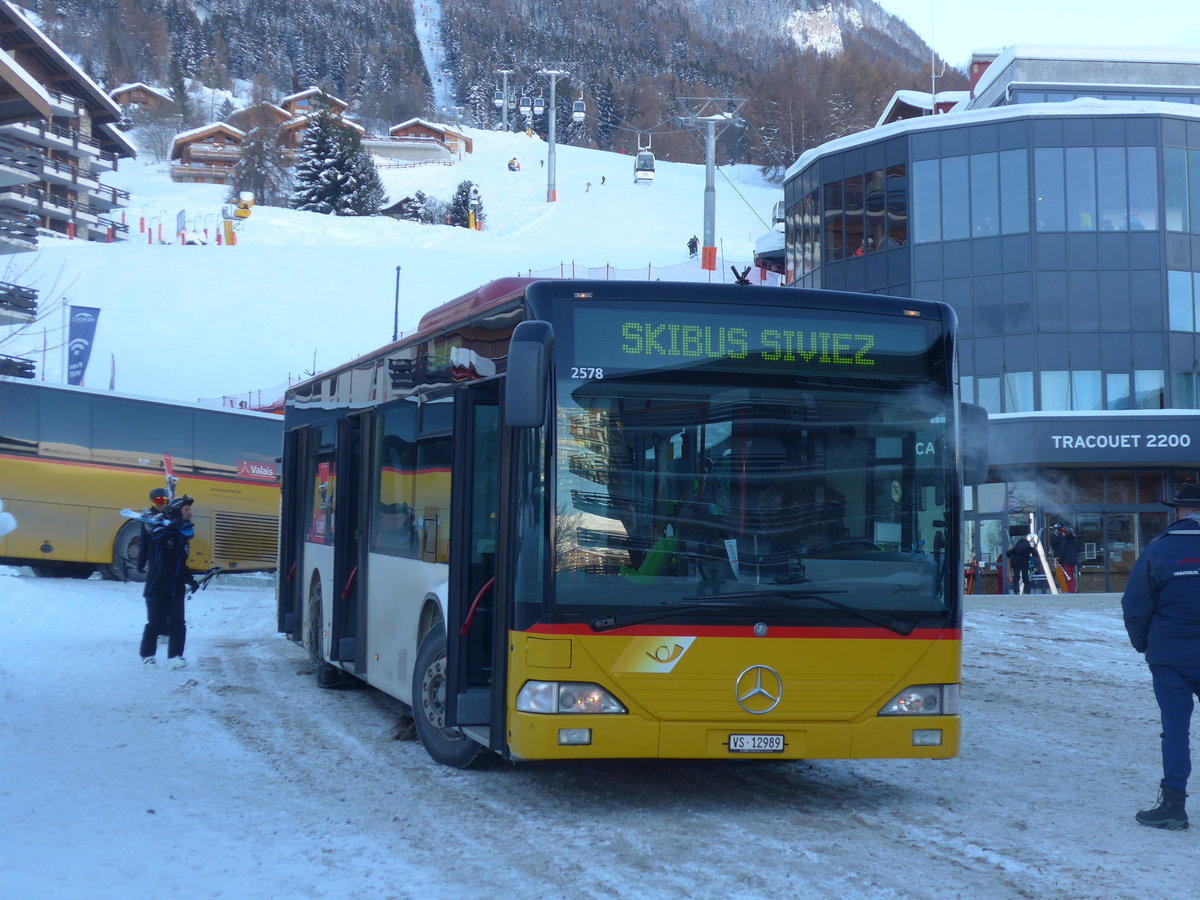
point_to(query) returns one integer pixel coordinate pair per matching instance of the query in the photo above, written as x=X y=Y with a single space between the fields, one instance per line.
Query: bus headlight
x=567 y=697
x=924 y=700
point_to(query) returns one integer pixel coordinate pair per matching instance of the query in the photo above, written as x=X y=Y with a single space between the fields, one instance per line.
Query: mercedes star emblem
x=758 y=690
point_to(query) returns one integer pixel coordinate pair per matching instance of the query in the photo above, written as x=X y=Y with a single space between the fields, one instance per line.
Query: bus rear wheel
x=448 y=746
x=63 y=570
x=327 y=676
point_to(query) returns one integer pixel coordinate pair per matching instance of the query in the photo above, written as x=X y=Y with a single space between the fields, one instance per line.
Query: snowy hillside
x=302 y=291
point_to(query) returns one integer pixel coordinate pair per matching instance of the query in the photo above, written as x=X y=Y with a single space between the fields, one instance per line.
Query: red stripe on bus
x=135 y=470
x=783 y=631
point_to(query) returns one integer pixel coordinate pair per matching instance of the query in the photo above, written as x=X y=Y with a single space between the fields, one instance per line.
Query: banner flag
x=83 y=332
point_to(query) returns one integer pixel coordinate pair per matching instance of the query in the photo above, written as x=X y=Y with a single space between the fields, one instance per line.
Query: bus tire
x=327 y=676
x=448 y=746
x=63 y=570
x=126 y=546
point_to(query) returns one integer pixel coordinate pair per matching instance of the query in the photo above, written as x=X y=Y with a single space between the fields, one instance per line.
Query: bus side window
x=394 y=523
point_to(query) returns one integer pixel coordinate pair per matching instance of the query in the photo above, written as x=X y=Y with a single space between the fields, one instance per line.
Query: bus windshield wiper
x=874 y=618
x=608 y=623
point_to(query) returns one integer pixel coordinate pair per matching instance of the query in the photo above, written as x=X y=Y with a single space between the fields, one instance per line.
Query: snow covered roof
x=312 y=92
x=114 y=134
x=1178 y=55
x=1085 y=106
x=920 y=100
x=37 y=48
x=185 y=137
x=444 y=129
x=135 y=85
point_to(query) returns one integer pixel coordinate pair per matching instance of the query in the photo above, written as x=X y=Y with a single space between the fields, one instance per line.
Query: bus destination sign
x=622 y=340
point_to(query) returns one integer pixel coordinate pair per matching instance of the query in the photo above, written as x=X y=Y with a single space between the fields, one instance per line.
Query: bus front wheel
x=448 y=746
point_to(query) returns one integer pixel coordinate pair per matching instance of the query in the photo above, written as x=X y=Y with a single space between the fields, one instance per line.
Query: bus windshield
x=713 y=489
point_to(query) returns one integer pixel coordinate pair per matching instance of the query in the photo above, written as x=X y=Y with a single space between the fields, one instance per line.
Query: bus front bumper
x=538 y=736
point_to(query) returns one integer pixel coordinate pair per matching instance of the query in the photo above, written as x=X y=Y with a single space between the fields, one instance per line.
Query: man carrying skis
x=167 y=581
x=158 y=505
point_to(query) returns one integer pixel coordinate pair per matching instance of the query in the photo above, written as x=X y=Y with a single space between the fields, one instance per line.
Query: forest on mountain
x=638 y=66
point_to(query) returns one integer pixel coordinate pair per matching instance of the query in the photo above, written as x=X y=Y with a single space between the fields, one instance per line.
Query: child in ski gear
x=1161 y=607
x=158 y=505
x=167 y=580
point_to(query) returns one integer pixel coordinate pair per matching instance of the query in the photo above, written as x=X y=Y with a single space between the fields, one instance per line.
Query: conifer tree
x=460 y=205
x=335 y=175
x=262 y=168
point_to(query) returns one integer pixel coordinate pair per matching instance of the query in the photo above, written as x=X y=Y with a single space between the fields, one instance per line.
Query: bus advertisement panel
x=611 y=519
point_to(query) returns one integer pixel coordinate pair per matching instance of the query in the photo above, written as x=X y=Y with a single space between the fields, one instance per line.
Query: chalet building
x=56 y=138
x=419 y=141
x=140 y=94
x=209 y=154
x=67 y=150
x=311 y=101
x=206 y=155
x=1056 y=209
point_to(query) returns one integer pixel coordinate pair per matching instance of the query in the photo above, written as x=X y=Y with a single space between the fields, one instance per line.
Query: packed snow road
x=237 y=777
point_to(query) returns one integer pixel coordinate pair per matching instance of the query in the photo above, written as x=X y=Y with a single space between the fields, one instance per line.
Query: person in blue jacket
x=1161 y=606
x=167 y=581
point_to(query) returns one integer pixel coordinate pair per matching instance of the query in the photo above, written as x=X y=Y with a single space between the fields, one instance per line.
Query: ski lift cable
x=730 y=182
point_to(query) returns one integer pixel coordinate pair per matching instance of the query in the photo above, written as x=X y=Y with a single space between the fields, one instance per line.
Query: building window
x=926 y=202
x=1116 y=390
x=1143 y=189
x=1183 y=390
x=956 y=199
x=1081 y=188
x=1148 y=389
x=1181 y=189
x=989 y=394
x=1085 y=390
x=1056 y=390
x=1111 y=188
x=1183 y=295
x=985 y=195
x=1048 y=186
x=1018 y=392
x=1014 y=192
x=966 y=388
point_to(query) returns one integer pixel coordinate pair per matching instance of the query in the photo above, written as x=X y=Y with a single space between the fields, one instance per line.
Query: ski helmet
x=159 y=496
x=175 y=510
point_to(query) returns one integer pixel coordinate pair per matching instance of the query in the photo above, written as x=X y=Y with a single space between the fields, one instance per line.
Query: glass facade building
x=1057 y=209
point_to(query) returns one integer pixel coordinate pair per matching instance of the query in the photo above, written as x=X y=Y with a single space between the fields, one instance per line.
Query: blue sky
x=956 y=28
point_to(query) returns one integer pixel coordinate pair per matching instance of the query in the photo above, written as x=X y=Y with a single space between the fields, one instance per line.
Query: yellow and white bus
x=574 y=519
x=71 y=458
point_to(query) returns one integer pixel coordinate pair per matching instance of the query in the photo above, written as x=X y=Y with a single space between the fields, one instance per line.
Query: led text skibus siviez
x=71 y=458
x=574 y=519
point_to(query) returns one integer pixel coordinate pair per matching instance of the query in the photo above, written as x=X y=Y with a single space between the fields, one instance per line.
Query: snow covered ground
x=237 y=777
x=303 y=292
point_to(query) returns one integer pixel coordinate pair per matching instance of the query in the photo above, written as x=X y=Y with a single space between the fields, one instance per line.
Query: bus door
x=347 y=642
x=477 y=627
x=291 y=592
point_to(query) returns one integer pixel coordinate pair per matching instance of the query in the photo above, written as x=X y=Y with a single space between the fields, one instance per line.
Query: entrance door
x=349 y=554
x=477 y=627
x=1121 y=547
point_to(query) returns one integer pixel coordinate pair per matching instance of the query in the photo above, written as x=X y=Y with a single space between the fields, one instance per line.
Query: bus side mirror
x=528 y=368
x=973 y=433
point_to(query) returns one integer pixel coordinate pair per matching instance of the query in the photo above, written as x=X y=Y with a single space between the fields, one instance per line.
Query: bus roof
x=141 y=398
x=494 y=293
